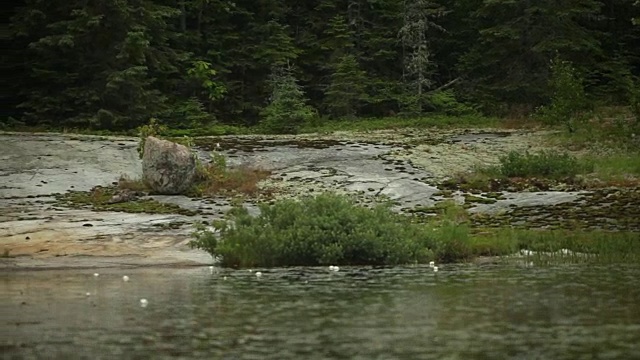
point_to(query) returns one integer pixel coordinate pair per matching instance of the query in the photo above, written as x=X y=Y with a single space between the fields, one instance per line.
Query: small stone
x=125 y=278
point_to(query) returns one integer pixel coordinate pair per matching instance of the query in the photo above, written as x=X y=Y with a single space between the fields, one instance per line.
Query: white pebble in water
x=435 y=269
x=258 y=274
x=432 y=264
x=96 y=274
x=125 y=278
x=336 y=268
x=88 y=294
x=144 y=302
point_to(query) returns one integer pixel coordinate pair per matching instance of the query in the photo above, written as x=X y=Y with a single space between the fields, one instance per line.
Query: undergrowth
x=333 y=230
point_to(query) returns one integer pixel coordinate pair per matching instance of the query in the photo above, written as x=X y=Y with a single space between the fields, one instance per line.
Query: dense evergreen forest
x=115 y=64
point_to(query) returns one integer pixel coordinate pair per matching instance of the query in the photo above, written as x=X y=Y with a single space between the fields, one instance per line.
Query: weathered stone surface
x=36 y=231
x=167 y=167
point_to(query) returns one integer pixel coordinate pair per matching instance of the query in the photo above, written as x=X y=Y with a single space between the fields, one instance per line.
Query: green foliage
x=427 y=121
x=99 y=199
x=113 y=65
x=215 y=178
x=153 y=128
x=347 y=91
x=95 y=65
x=287 y=109
x=568 y=98
x=445 y=102
x=545 y=164
x=508 y=62
x=332 y=230
x=188 y=114
x=419 y=69
x=634 y=102
x=202 y=72
x=325 y=230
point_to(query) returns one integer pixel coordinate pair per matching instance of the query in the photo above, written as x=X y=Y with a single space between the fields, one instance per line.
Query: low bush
x=333 y=230
x=327 y=229
x=545 y=164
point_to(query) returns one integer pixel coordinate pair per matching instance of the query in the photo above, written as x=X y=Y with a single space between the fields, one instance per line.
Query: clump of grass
x=217 y=178
x=137 y=185
x=524 y=170
x=618 y=169
x=618 y=246
x=548 y=164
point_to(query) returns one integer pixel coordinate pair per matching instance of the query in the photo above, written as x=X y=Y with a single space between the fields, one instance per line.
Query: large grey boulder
x=167 y=167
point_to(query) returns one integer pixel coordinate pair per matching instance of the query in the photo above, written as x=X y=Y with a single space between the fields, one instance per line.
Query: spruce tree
x=419 y=24
x=346 y=92
x=287 y=109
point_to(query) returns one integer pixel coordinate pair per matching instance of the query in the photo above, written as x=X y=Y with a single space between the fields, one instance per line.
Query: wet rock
x=167 y=167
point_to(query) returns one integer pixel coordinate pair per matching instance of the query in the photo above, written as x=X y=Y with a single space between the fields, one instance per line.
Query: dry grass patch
x=241 y=180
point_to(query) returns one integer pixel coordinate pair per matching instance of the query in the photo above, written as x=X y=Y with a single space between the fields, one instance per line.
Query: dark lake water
x=462 y=312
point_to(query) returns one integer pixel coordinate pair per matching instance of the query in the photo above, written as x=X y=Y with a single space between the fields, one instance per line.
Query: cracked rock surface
x=401 y=166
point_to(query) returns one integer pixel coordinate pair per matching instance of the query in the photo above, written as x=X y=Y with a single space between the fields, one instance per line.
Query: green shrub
x=154 y=128
x=547 y=164
x=327 y=229
x=445 y=102
x=568 y=96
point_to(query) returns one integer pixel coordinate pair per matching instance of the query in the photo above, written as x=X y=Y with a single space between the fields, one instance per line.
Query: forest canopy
x=114 y=64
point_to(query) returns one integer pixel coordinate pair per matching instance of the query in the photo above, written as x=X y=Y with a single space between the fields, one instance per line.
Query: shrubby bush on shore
x=322 y=230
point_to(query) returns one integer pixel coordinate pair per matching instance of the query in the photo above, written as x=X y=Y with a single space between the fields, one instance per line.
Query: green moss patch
x=98 y=199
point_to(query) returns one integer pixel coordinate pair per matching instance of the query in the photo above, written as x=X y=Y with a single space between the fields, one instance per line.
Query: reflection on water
x=462 y=312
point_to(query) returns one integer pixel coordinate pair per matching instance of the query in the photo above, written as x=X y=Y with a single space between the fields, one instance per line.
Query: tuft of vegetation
x=217 y=178
x=104 y=199
x=126 y=183
x=333 y=230
x=153 y=128
x=568 y=99
x=519 y=171
x=548 y=164
x=322 y=230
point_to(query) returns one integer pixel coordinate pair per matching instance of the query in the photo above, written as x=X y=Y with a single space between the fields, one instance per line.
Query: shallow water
x=462 y=312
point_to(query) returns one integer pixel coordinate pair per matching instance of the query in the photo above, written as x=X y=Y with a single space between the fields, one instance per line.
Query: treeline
x=117 y=63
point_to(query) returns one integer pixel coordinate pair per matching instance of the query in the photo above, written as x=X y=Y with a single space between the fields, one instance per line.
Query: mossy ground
x=98 y=200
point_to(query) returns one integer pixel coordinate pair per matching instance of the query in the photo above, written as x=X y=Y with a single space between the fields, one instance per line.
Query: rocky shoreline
x=404 y=166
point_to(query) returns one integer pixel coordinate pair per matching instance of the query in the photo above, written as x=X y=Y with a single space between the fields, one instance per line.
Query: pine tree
x=419 y=22
x=346 y=92
x=287 y=109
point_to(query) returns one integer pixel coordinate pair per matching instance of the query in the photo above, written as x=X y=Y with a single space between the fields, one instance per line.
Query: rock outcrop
x=167 y=167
